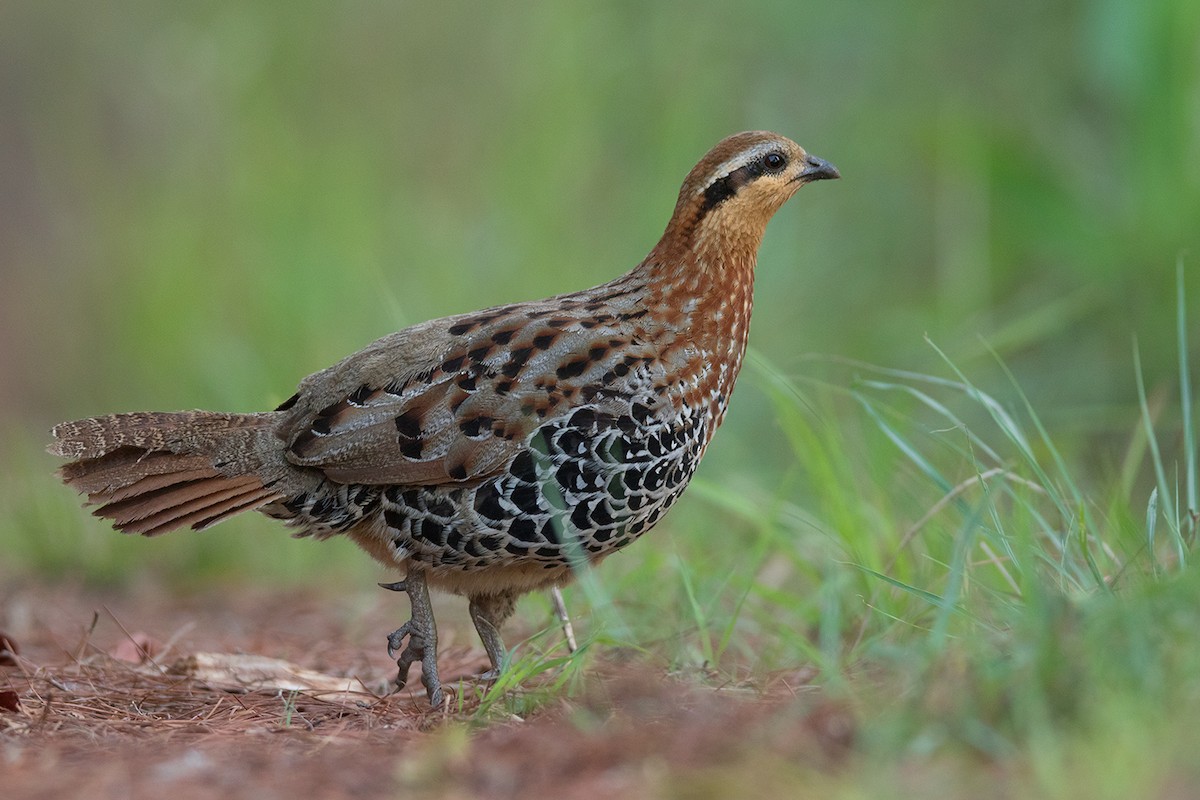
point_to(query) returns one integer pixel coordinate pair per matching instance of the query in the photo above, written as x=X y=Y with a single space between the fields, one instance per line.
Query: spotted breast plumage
x=487 y=454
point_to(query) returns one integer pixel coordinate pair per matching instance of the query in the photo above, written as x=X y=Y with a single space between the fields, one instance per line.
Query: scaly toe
x=415 y=651
x=396 y=638
x=433 y=684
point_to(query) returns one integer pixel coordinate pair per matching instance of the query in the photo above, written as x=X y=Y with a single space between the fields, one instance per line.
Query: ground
x=83 y=712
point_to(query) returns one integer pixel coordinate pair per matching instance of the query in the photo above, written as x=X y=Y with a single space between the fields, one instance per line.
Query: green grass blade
x=907 y=448
x=1160 y=473
x=698 y=613
x=1185 y=396
x=1151 y=525
x=931 y=403
x=956 y=579
x=1013 y=431
x=926 y=595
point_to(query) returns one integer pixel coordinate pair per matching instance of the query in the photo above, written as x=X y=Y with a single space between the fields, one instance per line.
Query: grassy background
x=200 y=205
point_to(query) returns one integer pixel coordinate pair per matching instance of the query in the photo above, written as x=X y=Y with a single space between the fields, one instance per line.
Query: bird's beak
x=817 y=169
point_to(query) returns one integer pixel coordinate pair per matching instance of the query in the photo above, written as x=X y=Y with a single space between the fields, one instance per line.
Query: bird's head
x=738 y=186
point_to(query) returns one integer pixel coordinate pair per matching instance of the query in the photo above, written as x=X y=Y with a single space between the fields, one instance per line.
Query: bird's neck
x=700 y=291
x=706 y=272
x=715 y=242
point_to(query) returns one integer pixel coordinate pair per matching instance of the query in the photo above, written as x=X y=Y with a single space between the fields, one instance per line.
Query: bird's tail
x=154 y=472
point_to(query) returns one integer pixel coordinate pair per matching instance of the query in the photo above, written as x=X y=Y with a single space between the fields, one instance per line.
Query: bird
x=486 y=454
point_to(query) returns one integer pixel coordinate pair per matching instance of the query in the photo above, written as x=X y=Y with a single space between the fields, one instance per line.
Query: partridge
x=486 y=454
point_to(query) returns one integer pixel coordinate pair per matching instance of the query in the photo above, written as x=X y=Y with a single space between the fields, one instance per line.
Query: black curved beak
x=817 y=169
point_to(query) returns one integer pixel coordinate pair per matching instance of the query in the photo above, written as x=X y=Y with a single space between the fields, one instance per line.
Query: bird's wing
x=448 y=401
x=438 y=433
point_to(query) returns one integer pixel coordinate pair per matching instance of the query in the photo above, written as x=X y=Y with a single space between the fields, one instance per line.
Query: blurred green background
x=202 y=203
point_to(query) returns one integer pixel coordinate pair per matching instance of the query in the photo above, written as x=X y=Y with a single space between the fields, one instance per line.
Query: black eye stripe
x=719 y=190
x=727 y=186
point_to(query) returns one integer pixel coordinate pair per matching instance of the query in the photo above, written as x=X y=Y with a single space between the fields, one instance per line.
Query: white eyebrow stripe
x=726 y=168
x=745 y=157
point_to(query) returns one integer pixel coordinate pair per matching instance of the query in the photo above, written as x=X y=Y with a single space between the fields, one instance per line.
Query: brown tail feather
x=151 y=472
x=153 y=483
x=181 y=506
x=215 y=512
x=177 y=500
x=121 y=469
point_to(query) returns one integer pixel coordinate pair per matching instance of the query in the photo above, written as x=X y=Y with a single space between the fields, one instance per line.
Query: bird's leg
x=560 y=608
x=488 y=612
x=421 y=631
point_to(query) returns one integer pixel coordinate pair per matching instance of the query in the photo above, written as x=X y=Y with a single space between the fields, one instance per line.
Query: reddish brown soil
x=80 y=717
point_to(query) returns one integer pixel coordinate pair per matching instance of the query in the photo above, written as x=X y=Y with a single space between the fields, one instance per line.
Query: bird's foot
x=421 y=633
x=488 y=613
x=415 y=650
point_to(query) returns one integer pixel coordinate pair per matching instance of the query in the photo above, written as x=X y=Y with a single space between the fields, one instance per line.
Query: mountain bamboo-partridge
x=492 y=453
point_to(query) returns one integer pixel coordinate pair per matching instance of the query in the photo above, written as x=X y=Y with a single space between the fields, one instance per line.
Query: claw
x=398 y=586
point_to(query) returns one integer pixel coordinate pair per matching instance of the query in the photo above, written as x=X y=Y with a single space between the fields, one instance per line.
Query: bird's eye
x=774 y=161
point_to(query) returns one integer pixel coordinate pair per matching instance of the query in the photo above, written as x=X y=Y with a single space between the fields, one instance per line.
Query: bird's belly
x=585 y=487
